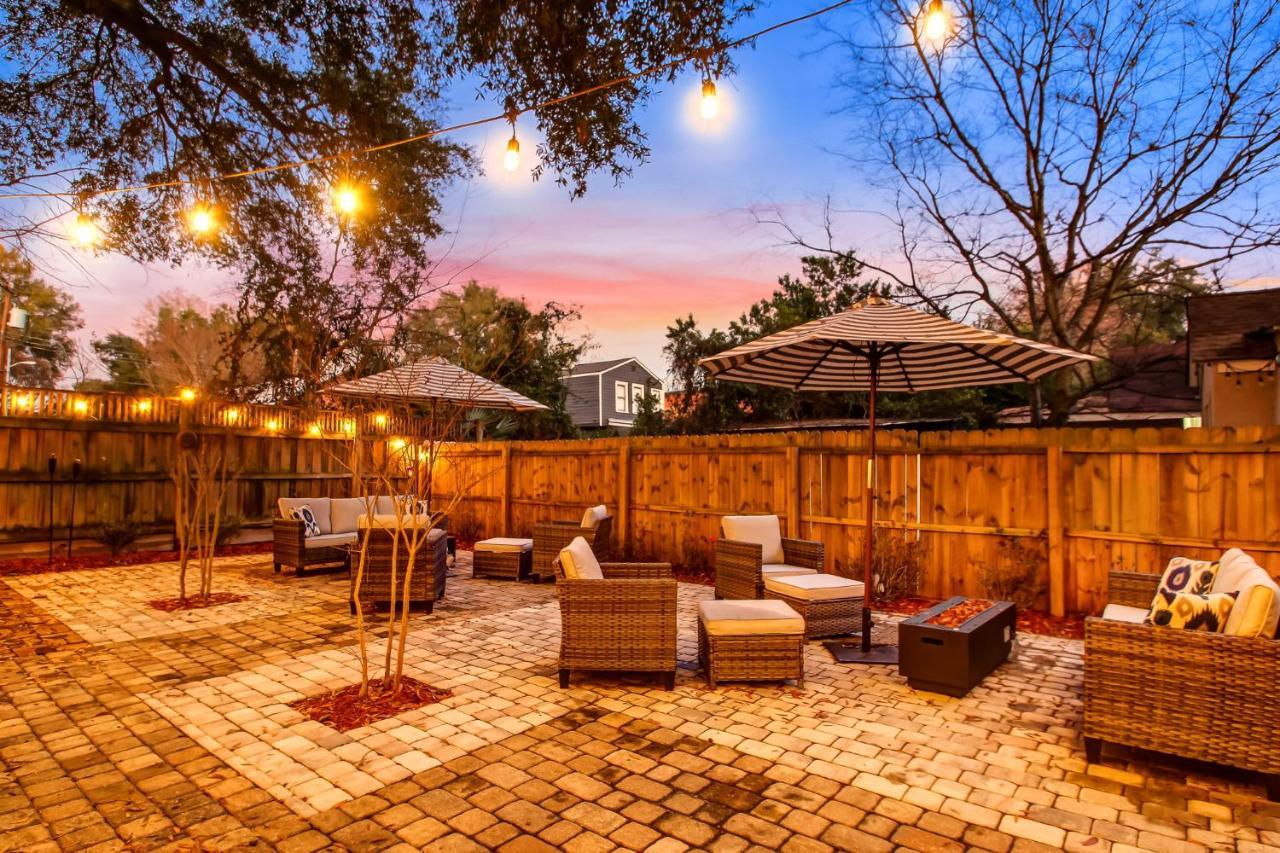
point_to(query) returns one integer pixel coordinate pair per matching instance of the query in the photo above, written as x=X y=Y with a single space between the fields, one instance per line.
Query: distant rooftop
x=587 y=368
x=1227 y=326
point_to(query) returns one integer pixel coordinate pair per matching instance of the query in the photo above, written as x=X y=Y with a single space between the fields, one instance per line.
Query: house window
x=621 y=397
x=637 y=397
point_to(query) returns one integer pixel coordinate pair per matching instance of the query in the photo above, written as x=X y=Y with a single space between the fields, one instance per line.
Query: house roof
x=591 y=368
x=1227 y=326
x=1155 y=379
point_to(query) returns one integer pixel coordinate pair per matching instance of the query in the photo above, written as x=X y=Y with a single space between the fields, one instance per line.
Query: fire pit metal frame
x=953 y=661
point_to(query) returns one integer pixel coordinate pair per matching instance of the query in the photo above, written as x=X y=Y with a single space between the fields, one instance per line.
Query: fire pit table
x=952 y=646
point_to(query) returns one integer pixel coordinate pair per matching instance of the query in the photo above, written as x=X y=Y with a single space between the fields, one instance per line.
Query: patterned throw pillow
x=1192 y=611
x=308 y=518
x=1195 y=577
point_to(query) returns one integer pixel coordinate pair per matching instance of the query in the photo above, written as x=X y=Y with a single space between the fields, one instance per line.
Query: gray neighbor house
x=607 y=394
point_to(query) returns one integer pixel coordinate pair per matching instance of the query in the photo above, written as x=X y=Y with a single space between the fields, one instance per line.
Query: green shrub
x=119 y=535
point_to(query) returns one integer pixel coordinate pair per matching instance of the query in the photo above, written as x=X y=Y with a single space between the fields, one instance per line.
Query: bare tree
x=1041 y=154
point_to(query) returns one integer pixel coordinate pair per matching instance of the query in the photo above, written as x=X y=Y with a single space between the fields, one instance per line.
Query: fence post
x=504 y=507
x=1056 y=539
x=624 y=496
x=793 y=487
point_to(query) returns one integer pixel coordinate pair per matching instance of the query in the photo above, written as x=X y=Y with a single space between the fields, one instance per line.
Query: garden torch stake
x=53 y=468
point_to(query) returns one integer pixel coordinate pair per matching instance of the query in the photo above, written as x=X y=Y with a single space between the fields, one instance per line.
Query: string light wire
x=454 y=128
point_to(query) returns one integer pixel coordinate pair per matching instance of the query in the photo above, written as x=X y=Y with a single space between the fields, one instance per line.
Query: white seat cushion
x=784 y=570
x=762 y=530
x=739 y=618
x=331 y=540
x=345 y=513
x=814 y=587
x=389 y=522
x=319 y=509
x=1125 y=613
x=504 y=545
x=1256 y=612
x=579 y=562
x=593 y=516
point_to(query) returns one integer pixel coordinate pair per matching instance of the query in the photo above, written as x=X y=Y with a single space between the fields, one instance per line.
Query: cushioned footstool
x=831 y=606
x=504 y=558
x=750 y=640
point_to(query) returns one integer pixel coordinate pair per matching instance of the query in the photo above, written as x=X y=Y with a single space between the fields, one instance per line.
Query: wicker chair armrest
x=1135 y=589
x=739 y=551
x=805 y=553
x=292 y=530
x=621 y=571
x=624 y=596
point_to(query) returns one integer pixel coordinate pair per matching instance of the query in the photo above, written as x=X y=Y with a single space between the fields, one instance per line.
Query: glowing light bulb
x=202 y=220
x=84 y=231
x=232 y=415
x=272 y=425
x=349 y=426
x=937 y=21
x=315 y=431
x=397 y=443
x=80 y=406
x=511 y=160
x=380 y=420
x=142 y=406
x=347 y=199
x=187 y=395
x=22 y=401
x=710 y=100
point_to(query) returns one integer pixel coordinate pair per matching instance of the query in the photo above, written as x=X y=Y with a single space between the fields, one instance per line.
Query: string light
x=84 y=231
x=187 y=394
x=937 y=21
x=315 y=431
x=511 y=160
x=380 y=420
x=232 y=415
x=710 y=100
x=142 y=406
x=80 y=406
x=23 y=401
x=397 y=444
x=272 y=425
x=202 y=220
x=347 y=199
x=349 y=426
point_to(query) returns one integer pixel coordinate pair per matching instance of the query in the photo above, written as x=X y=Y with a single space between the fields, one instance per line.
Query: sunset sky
x=675 y=238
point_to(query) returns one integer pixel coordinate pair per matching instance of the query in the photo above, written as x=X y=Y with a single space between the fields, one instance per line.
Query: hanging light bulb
x=937 y=21
x=202 y=219
x=710 y=100
x=84 y=231
x=511 y=160
x=347 y=199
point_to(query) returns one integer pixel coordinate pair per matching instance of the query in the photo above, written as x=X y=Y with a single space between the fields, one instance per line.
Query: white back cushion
x=345 y=513
x=578 y=561
x=763 y=530
x=319 y=508
x=594 y=516
x=386 y=505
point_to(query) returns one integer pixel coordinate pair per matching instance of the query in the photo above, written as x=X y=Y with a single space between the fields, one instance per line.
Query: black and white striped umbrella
x=434 y=379
x=912 y=351
x=879 y=346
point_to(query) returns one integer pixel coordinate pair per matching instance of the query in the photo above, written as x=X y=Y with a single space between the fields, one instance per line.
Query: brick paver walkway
x=122 y=727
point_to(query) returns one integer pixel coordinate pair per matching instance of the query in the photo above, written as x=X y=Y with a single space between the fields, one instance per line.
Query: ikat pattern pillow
x=1195 y=577
x=308 y=518
x=1192 y=611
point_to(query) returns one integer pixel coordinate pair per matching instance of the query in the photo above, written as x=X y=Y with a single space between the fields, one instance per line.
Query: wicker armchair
x=429 y=572
x=624 y=623
x=289 y=548
x=739 y=565
x=1209 y=697
x=549 y=537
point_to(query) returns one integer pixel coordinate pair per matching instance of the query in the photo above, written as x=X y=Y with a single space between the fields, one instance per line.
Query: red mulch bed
x=41 y=565
x=1029 y=621
x=345 y=710
x=958 y=614
x=195 y=602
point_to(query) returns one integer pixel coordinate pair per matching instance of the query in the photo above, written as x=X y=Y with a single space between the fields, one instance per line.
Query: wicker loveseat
x=624 y=621
x=549 y=537
x=1205 y=696
x=752 y=548
x=338 y=520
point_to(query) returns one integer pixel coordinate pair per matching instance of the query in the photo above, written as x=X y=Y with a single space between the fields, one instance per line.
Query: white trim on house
x=612 y=367
x=615 y=422
x=623 y=387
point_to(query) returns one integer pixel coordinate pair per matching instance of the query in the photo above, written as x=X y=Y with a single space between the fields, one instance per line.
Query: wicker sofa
x=624 y=621
x=1205 y=696
x=753 y=548
x=338 y=520
x=549 y=537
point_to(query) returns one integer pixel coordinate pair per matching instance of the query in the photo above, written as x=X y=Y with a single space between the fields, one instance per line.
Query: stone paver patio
x=123 y=727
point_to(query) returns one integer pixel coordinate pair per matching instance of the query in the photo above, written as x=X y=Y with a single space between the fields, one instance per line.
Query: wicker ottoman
x=742 y=640
x=831 y=606
x=506 y=559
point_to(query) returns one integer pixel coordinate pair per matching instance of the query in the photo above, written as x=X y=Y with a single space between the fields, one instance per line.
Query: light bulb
x=315 y=430
x=143 y=406
x=511 y=160
x=346 y=199
x=380 y=420
x=272 y=425
x=710 y=100
x=233 y=415
x=202 y=219
x=937 y=22
x=85 y=232
x=80 y=406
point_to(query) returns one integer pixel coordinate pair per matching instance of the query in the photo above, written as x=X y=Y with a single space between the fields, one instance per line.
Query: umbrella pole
x=868 y=497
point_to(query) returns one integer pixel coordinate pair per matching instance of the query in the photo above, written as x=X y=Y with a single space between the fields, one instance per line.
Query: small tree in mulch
x=202 y=475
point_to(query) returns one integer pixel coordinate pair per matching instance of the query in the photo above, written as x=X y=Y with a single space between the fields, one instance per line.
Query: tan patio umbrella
x=875 y=346
x=434 y=379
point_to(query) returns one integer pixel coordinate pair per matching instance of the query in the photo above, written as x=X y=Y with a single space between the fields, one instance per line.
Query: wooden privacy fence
x=1079 y=502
